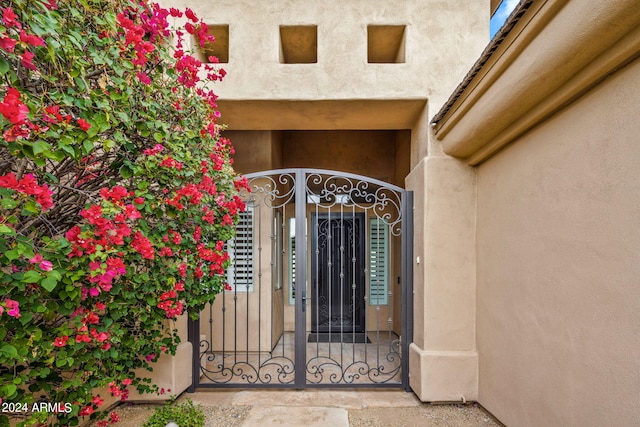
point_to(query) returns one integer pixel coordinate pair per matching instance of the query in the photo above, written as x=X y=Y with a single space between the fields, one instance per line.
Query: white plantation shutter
x=378 y=262
x=292 y=261
x=240 y=272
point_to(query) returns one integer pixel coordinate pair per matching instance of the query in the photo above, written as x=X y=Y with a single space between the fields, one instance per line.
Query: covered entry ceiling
x=321 y=115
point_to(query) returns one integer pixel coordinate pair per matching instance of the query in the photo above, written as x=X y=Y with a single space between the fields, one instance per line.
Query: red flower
x=87 y=410
x=51 y=4
x=27 y=57
x=203 y=36
x=84 y=125
x=170 y=162
x=142 y=245
x=191 y=15
x=12 y=109
x=61 y=341
x=13 y=308
x=83 y=338
x=143 y=78
x=7 y=43
x=53 y=114
x=153 y=151
x=9 y=18
x=132 y=212
x=31 y=39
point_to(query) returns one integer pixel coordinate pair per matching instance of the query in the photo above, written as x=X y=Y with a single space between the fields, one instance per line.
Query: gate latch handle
x=304 y=300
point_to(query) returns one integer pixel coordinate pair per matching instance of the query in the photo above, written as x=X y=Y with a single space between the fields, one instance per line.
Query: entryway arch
x=321 y=287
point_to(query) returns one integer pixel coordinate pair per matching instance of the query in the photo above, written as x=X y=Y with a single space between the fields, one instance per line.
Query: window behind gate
x=240 y=272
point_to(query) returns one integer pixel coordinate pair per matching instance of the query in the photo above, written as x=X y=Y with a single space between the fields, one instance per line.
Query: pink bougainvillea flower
x=36 y=259
x=175 y=12
x=7 y=43
x=191 y=15
x=203 y=36
x=46 y=265
x=1 y=310
x=12 y=109
x=115 y=194
x=60 y=341
x=26 y=60
x=31 y=39
x=52 y=114
x=87 y=410
x=84 y=125
x=83 y=338
x=50 y=4
x=153 y=151
x=170 y=162
x=9 y=18
x=143 y=78
x=8 y=181
x=13 y=308
x=142 y=245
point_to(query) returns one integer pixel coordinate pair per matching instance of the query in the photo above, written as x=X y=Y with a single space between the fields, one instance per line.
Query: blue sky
x=498 y=18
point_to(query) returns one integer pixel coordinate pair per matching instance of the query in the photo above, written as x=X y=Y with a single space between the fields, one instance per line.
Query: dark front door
x=337 y=273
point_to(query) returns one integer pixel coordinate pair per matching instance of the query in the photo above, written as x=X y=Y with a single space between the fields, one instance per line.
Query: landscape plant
x=182 y=414
x=117 y=194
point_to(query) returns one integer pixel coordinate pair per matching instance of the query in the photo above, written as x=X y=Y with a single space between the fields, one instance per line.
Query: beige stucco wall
x=558 y=268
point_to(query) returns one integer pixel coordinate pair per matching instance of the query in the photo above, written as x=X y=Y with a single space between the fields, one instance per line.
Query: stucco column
x=443 y=361
x=171 y=373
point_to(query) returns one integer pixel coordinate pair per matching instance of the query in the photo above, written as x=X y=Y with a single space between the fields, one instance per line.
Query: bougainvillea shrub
x=116 y=197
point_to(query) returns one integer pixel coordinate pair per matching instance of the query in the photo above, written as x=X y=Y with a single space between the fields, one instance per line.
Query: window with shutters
x=378 y=262
x=240 y=271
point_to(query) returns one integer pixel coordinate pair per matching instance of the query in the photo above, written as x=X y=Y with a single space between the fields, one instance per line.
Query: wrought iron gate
x=320 y=287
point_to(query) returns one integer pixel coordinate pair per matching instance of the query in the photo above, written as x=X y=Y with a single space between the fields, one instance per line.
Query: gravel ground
x=470 y=415
x=218 y=415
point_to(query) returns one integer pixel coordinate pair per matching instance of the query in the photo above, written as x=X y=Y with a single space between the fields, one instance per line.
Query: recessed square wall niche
x=385 y=44
x=298 y=44
x=219 y=48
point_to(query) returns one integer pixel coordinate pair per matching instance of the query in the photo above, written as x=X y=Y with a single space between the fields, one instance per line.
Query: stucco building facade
x=525 y=186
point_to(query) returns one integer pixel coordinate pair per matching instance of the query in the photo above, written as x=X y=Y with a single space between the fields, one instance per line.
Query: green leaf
x=125 y=172
x=40 y=146
x=88 y=146
x=8 y=203
x=9 y=390
x=4 y=66
x=54 y=274
x=5 y=229
x=49 y=283
x=31 y=276
x=8 y=350
x=25 y=317
x=11 y=255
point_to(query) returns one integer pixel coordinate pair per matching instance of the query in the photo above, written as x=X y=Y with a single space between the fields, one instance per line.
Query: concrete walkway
x=335 y=408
